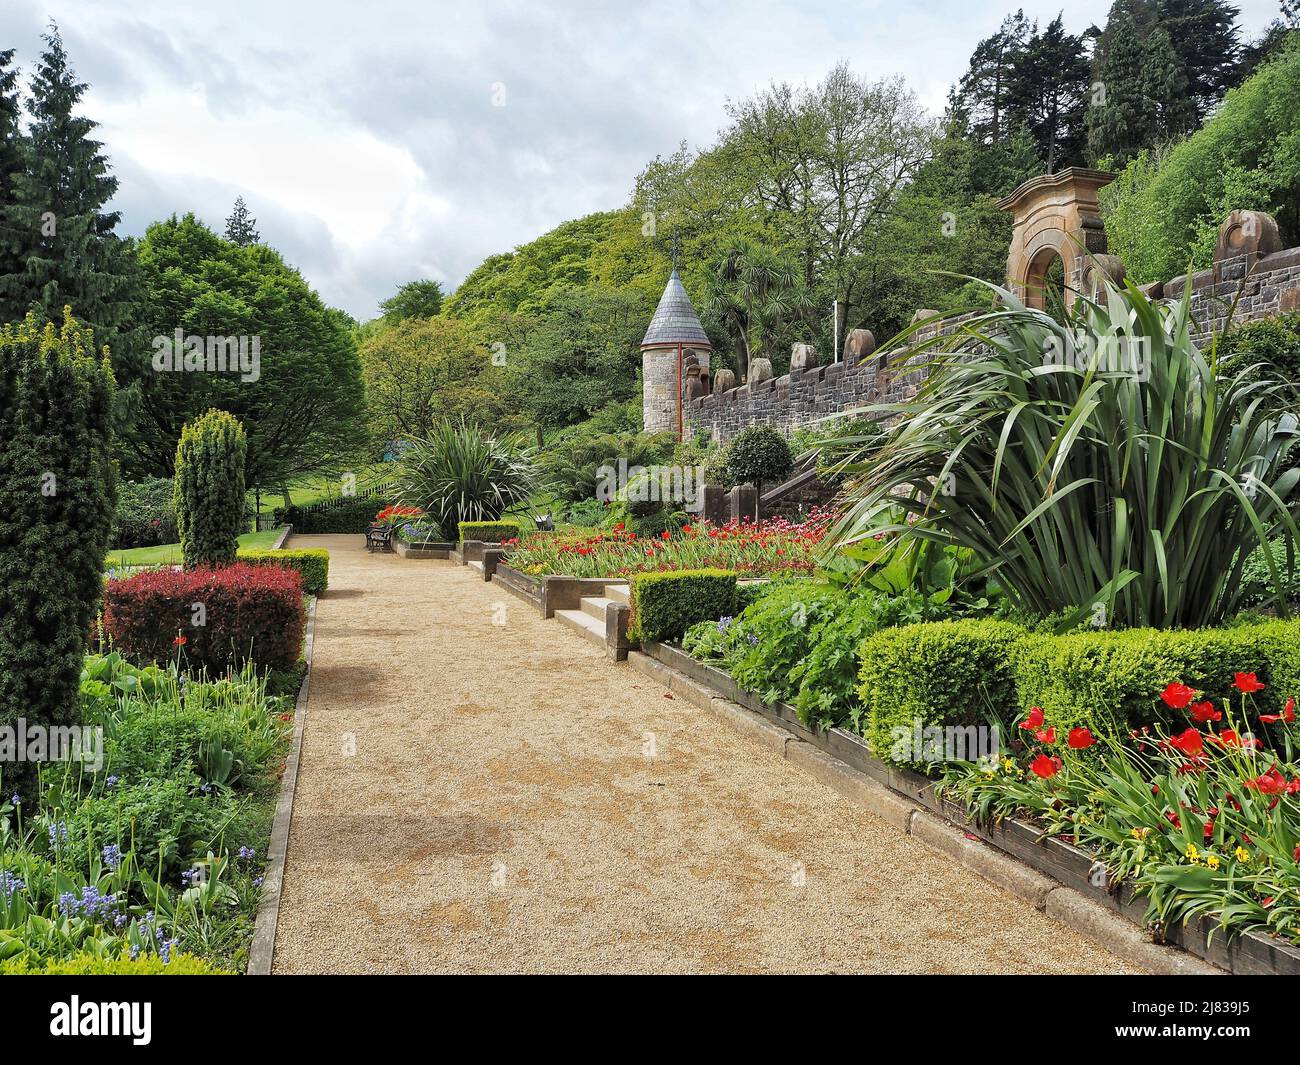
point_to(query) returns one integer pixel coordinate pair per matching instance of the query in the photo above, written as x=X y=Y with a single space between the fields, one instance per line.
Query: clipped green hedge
x=665 y=605
x=312 y=562
x=491 y=532
x=940 y=673
x=1079 y=677
x=349 y=515
x=90 y=965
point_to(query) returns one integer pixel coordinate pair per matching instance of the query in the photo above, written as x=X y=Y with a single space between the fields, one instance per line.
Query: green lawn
x=313 y=489
x=170 y=554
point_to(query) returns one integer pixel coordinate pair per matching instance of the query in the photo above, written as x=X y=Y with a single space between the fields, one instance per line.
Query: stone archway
x=1056 y=215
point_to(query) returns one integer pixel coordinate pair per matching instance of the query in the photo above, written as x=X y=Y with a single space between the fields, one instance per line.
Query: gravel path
x=475 y=796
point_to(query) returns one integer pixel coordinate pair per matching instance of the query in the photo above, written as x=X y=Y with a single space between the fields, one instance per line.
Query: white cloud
x=364 y=137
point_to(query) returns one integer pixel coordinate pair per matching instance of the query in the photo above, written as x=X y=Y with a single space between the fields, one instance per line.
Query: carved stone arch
x=1055 y=215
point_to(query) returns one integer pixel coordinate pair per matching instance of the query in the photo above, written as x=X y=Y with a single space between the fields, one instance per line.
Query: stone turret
x=674 y=343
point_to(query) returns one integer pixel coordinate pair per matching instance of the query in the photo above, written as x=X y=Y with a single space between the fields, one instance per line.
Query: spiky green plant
x=460 y=473
x=1105 y=462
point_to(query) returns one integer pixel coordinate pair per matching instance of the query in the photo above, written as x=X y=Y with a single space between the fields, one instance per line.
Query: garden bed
x=1242 y=953
x=521 y=584
x=432 y=549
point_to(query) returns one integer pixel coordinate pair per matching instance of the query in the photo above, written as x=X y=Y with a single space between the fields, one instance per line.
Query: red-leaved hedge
x=247 y=611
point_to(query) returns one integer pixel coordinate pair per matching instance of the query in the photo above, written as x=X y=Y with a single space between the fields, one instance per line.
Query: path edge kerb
x=262 y=951
x=1063 y=904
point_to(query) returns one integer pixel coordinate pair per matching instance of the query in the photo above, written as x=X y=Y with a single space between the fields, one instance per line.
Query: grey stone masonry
x=1244 y=285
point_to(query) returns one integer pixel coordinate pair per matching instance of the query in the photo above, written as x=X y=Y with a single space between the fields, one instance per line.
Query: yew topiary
x=209 y=489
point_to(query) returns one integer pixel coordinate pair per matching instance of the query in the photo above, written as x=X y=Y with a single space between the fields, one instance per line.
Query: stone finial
x=759 y=370
x=1253 y=234
x=858 y=345
x=695 y=387
x=803 y=357
x=922 y=315
x=1097 y=270
x=724 y=380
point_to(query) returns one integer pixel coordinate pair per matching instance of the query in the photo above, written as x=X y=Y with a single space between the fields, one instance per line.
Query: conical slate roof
x=675 y=320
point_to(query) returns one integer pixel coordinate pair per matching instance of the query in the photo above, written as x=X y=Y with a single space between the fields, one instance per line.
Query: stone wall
x=1249 y=268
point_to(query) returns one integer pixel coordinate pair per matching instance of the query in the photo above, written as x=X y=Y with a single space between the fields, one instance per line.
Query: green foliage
x=145 y=514
x=758 y=455
x=57 y=490
x=774 y=635
x=665 y=605
x=489 y=532
x=60 y=248
x=241 y=227
x=209 y=489
x=89 y=964
x=827 y=675
x=1083 y=678
x=302 y=405
x=940 y=673
x=571 y=463
x=1164 y=213
x=1268 y=349
x=1257 y=582
x=415 y=299
x=345 y=515
x=312 y=562
x=1115 y=485
x=459 y=473
x=420 y=370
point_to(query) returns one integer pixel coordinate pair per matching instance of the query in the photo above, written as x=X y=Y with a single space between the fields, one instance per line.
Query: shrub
x=490 y=532
x=336 y=516
x=937 y=673
x=1257 y=587
x=826 y=678
x=1083 y=677
x=250 y=613
x=460 y=473
x=758 y=455
x=209 y=492
x=88 y=964
x=56 y=508
x=770 y=638
x=145 y=514
x=312 y=562
x=1088 y=484
x=665 y=605
x=1266 y=349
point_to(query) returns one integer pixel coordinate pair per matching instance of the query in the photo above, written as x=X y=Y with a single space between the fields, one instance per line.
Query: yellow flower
x=1140 y=833
x=1191 y=852
x=1212 y=860
x=1242 y=854
x=1008 y=765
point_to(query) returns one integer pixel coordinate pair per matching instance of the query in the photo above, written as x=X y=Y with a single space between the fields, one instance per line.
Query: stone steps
x=595 y=606
x=618 y=593
x=584 y=624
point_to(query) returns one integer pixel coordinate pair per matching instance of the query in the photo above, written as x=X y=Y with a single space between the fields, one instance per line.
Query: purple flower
x=111 y=782
x=112 y=856
x=10 y=885
x=190 y=877
x=15 y=799
x=58 y=833
x=247 y=853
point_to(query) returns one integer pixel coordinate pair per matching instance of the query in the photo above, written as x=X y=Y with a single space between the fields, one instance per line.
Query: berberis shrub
x=56 y=508
x=250 y=613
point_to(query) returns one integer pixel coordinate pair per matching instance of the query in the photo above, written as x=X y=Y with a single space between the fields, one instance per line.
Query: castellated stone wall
x=1250 y=269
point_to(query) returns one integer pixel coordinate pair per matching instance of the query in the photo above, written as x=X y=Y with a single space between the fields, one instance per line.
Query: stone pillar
x=659 y=384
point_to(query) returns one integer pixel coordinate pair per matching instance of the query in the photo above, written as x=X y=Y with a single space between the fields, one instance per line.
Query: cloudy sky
x=383 y=141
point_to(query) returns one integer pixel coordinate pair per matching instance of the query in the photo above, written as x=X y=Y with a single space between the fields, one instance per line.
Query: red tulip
x=1203 y=712
x=1045 y=767
x=1270 y=783
x=1178 y=695
x=1046 y=735
x=180 y=640
x=1080 y=739
x=1189 y=742
x=1247 y=682
x=1287 y=714
x=1033 y=720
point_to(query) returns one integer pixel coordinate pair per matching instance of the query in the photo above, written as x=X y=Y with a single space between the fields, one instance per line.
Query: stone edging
x=285 y=533
x=1071 y=907
x=268 y=911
